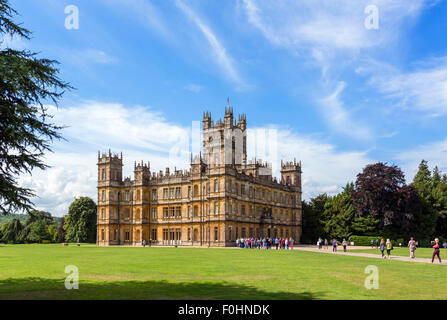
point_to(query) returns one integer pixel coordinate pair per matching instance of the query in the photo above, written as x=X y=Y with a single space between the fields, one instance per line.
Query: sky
x=338 y=84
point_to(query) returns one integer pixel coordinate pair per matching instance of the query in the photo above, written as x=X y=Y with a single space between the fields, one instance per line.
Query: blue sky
x=339 y=95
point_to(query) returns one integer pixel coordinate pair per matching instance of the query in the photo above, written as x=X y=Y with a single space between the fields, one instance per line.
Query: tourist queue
x=265 y=243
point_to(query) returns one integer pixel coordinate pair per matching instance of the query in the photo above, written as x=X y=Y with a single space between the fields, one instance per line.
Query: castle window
x=189 y=211
x=216 y=234
x=154 y=234
x=154 y=213
x=127 y=213
x=138 y=195
x=178 y=212
x=102 y=235
x=127 y=196
x=154 y=194
x=189 y=234
x=165 y=212
x=165 y=193
x=127 y=235
x=216 y=207
x=288 y=180
x=230 y=235
x=196 y=211
x=189 y=191
x=244 y=233
x=178 y=192
x=172 y=212
x=103 y=174
x=216 y=185
x=102 y=213
x=171 y=193
x=165 y=234
x=242 y=210
x=216 y=159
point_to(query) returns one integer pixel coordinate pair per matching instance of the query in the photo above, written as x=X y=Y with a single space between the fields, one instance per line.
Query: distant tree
x=339 y=214
x=311 y=220
x=10 y=231
x=26 y=83
x=38 y=232
x=80 y=222
x=365 y=226
x=381 y=192
x=431 y=220
x=61 y=231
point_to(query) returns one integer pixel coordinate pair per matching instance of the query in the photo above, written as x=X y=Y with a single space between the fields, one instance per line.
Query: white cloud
x=194 y=88
x=143 y=134
x=424 y=89
x=145 y=12
x=435 y=153
x=328 y=23
x=224 y=61
x=339 y=117
x=15 y=42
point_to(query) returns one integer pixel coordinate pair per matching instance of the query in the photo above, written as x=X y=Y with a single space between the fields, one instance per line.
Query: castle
x=221 y=198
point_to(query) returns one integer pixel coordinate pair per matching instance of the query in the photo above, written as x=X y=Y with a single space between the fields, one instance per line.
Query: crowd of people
x=388 y=246
x=265 y=243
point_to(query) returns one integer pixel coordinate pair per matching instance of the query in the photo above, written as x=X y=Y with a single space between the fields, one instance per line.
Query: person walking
x=436 y=251
x=372 y=244
x=344 y=244
x=320 y=243
x=334 y=246
x=276 y=243
x=412 y=246
x=287 y=244
x=382 y=247
x=389 y=247
x=144 y=243
x=326 y=244
x=377 y=243
x=291 y=243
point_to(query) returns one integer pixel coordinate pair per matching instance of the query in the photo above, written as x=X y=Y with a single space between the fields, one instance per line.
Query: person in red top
x=436 y=252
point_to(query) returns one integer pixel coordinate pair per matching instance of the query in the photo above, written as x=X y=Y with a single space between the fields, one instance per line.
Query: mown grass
x=37 y=272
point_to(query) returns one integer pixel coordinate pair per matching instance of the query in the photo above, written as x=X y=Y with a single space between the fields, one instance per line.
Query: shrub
x=364 y=240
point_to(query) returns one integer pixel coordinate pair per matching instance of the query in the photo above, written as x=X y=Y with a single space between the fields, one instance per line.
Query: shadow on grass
x=40 y=288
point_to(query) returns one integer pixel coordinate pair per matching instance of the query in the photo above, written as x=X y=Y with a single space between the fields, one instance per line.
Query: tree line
x=41 y=227
x=381 y=204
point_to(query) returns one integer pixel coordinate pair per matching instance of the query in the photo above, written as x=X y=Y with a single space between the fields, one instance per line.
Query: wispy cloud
x=423 y=89
x=194 y=88
x=145 y=13
x=223 y=60
x=339 y=117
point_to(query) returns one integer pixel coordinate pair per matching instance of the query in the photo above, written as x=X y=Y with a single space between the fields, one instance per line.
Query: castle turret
x=110 y=168
x=142 y=173
x=291 y=174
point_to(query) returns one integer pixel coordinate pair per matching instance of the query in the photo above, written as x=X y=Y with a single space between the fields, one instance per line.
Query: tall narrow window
x=216 y=207
x=102 y=213
x=216 y=185
x=103 y=195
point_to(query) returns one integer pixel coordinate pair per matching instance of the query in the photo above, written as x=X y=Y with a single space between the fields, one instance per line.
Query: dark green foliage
x=431 y=220
x=39 y=226
x=26 y=83
x=10 y=231
x=61 y=231
x=338 y=214
x=80 y=223
x=312 y=212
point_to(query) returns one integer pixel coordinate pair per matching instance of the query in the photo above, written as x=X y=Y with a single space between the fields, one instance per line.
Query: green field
x=405 y=252
x=37 y=272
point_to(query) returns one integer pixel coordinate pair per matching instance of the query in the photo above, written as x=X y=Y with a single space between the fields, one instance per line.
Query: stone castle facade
x=221 y=198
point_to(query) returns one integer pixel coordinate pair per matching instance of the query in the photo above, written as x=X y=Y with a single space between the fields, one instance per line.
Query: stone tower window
x=102 y=213
x=103 y=174
x=216 y=185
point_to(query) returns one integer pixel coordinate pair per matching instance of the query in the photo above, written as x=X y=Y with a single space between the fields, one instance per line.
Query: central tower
x=225 y=142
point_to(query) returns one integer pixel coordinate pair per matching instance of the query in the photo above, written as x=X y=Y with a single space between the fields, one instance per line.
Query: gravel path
x=366 y=255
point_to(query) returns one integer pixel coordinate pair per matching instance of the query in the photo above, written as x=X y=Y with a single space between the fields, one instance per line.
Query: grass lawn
x=37 y=272
x=405 y=252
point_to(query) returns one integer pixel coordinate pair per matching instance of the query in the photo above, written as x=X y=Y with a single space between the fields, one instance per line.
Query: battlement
x=104 y=158
x=291 y=166
x=228 y=121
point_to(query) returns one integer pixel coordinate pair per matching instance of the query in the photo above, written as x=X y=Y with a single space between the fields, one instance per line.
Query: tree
x=26 y=82
x=10 y=231
x=38 y=232
x=61 y=231
x=339 y=214
x=80 y=223
x=312 y=212
x=380 y=191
